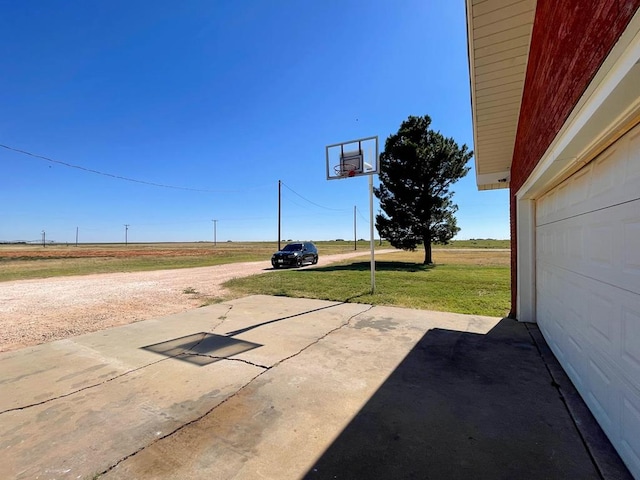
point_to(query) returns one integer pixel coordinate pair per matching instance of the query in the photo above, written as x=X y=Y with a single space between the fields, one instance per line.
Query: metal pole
x=126 y=234
x=76 y=236
x=44 y=244
x=215 y=225
x=371 y=241
x=279 y=210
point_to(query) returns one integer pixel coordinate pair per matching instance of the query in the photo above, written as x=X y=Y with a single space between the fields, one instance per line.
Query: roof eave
x=497 y=68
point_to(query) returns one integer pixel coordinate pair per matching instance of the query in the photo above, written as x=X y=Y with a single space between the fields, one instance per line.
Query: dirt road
x=43 y=310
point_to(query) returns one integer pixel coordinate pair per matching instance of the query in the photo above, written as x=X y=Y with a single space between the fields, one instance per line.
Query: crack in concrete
x=216 y=357
x=319 y=339
x=191 y=422
x=64 y=395
x=237 y=392
x=204 y=335
x=128 y=372
x=222 y=317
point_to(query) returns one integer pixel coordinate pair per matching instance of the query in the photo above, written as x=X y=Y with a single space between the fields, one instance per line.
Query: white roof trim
x=498 y=38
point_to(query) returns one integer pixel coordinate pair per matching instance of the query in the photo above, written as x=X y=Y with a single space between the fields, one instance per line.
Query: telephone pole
x=215 y=224
x=126 y=233
x=279 y=210
x=44 y=235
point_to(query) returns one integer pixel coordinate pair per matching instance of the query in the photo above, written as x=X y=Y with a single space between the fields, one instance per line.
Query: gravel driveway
x=43 y=310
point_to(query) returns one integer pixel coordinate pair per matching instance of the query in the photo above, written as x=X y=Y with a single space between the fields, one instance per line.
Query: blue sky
x=222 y=98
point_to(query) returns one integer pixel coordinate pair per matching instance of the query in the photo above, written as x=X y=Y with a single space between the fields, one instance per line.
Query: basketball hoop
x=356 y=158
x=350 y=159
x=344 y=170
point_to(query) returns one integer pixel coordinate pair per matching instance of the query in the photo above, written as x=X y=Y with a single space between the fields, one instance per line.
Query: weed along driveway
x=279 y=388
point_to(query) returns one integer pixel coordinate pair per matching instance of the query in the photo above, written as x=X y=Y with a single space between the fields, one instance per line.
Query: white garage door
x=588 y=287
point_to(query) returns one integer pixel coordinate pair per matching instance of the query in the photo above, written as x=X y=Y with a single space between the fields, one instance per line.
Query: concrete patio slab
x=273 y=387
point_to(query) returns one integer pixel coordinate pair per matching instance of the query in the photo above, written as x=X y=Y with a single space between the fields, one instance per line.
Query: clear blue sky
x=223 y=96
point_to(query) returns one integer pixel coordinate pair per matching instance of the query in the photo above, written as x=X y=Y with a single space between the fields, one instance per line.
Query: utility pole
x=44 y=244
x=355 y=230
x=279 y=210
x=126 y=233
x=76 y=236
x=215 y=222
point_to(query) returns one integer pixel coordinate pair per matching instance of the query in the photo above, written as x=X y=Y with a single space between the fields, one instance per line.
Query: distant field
x=477 y=243
x=19 y=262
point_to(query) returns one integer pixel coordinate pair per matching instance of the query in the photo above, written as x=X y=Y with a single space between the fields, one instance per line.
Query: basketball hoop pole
x=353 y=163
x=373 y=260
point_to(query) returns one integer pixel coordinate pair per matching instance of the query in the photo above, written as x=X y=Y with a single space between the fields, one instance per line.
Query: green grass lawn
x=472 y=284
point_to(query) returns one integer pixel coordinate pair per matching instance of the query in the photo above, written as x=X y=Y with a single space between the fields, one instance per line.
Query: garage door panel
x=604 y=245
x=588 y=287
x=602 y=178
x=576 y=241
x=576 y=357
x=631 y=245
x=592 y=360
x=609 y=180
x=604 y=330
x=594 y=316
x=580 y=188
x=630 y=423
x=611 y=239
x=630 y=334
x=614 y=405
x=632 y=166
x=602 y=395
x=600 y=242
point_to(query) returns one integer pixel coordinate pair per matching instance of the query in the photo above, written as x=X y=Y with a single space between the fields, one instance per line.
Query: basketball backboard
x=352 y=159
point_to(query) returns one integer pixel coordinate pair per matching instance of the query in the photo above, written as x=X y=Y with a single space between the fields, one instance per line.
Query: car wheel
x=299 y=262
x=314 y=261
x=275 y=266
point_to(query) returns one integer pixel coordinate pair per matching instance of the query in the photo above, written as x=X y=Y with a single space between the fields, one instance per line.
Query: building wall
x=570 y=40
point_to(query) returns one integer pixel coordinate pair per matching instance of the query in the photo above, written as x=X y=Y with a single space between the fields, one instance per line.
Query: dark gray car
x=295 y=255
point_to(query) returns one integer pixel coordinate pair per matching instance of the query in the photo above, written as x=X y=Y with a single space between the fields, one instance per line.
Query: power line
x=362 y=216
x=293 y=202
x=120 y=177
x=290 y=201
x=313 y=203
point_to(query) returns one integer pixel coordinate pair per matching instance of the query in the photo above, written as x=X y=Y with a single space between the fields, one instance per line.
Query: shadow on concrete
x=201 y=348
x=463 y=405
x=275 y=320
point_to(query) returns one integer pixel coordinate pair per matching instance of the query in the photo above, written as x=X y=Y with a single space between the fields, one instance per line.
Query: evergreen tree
x=417 y=168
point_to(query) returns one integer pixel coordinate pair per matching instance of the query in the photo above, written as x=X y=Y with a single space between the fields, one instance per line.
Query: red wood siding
x=570 y=40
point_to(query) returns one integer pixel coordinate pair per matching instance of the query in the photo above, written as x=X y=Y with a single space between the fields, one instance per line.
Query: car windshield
x=292 y=247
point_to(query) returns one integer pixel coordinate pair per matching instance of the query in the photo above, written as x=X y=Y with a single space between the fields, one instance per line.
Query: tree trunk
x=427 y=248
